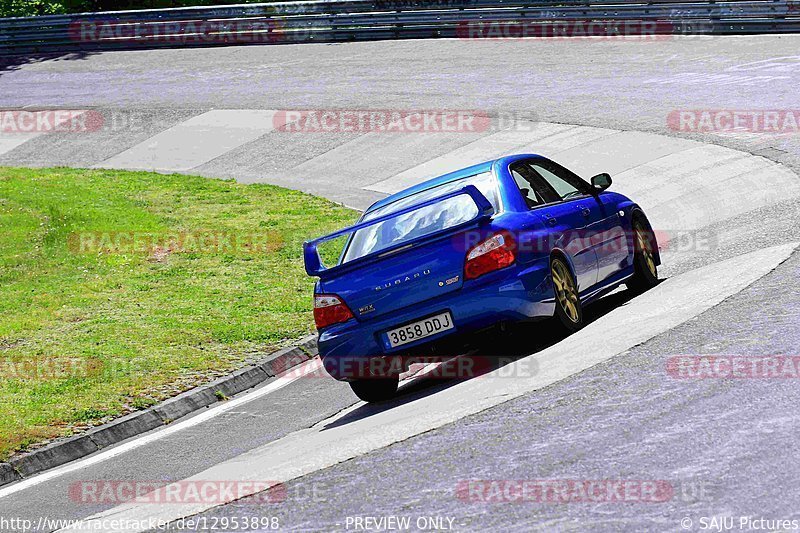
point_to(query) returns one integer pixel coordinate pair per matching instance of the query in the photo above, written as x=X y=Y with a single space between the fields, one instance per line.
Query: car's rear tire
x=375 y=389
x=569 y=311
x=645 y=270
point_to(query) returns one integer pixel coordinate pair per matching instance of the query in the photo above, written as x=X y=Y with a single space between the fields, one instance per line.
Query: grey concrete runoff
x=69 y=449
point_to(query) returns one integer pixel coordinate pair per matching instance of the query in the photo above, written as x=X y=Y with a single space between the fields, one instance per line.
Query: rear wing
x=313 y=262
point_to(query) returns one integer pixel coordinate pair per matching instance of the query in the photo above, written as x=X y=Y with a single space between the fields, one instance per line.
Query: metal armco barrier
x=362 y=20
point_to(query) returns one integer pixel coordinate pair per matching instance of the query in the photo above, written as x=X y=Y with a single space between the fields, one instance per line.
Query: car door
x=563 y=213
x=603 y=226
x=610 y=241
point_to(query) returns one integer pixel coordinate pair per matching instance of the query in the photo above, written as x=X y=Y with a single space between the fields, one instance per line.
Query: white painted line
x=537 y=137
x=668 y=305
x=279 y=383
x=195 y=141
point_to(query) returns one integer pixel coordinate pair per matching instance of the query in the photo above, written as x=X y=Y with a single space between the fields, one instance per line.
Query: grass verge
x=119 y=289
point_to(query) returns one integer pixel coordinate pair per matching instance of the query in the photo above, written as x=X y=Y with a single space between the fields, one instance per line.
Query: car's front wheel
x=375 y=389
x=568 y=303
x=645 y=271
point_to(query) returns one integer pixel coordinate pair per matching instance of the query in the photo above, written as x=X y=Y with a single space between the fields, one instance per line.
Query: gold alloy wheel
x=643 y=243
x=565 y=290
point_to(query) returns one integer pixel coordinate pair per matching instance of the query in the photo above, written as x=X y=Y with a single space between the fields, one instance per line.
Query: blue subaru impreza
x=515 y=239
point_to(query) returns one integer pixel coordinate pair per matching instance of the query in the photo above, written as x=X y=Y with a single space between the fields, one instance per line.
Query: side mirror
x=601 y=182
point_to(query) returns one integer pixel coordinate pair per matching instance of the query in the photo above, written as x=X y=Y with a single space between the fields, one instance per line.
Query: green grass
x=88 y=335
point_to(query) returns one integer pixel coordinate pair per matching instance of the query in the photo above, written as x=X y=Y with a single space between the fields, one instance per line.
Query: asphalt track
x=586 y=409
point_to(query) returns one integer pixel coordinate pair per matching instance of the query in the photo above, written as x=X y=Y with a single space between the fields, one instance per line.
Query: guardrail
x=361 y=20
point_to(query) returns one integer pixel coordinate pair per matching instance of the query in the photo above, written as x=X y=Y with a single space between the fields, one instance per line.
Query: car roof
x=434 y=182
x=452 y=176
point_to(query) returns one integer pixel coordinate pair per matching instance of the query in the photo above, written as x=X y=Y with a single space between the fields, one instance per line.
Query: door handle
x=585 y=211
x=551 y=221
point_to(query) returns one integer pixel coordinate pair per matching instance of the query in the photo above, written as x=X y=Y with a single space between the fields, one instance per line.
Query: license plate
x=419 y=330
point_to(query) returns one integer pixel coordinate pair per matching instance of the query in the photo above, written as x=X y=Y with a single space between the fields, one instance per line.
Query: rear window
x=439 y=216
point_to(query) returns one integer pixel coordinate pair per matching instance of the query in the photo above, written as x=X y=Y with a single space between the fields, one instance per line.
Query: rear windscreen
x=435 y=217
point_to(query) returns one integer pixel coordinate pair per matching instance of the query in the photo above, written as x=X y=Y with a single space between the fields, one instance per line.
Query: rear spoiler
x=314 y=263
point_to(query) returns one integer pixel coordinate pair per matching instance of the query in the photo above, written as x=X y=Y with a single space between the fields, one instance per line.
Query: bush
x=26 y=8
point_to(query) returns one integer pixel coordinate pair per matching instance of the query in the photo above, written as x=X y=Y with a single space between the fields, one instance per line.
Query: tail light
x=492 y=254
x=330 y=309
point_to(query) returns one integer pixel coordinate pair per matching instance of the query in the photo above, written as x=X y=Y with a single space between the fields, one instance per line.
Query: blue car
x=520 y=238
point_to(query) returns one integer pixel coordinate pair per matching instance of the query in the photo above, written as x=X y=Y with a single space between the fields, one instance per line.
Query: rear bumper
x=513 y=294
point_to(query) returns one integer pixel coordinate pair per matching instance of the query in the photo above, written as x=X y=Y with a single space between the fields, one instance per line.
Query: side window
x=566 y=184
x=533 y=188
x=530 y=196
